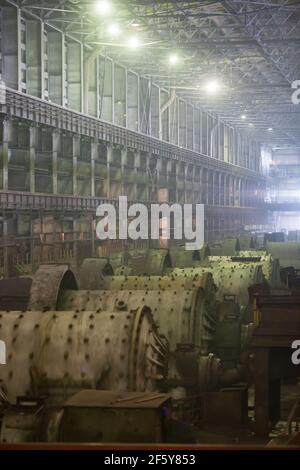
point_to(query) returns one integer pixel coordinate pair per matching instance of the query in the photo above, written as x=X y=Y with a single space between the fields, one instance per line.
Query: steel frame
x=252 y=45
x=42 y=112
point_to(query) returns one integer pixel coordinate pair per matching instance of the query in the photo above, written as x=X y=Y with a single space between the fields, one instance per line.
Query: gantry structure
x=144 y=99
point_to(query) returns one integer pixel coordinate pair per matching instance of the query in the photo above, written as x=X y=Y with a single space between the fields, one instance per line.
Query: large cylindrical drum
x=182 y=316
x=270 y=266
x=231 y=279
x=57 y=353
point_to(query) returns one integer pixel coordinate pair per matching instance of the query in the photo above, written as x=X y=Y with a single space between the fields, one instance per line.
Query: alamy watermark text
x=154 y=222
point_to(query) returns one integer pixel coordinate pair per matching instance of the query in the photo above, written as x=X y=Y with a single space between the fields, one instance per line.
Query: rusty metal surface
x=270 y=266
x=93 y=416
x=183 y=316
x=58 y=353
x=145 y=262
x=46 y=285
x=228 y=338
x=279 y=323
x=158 y=282
x=125 y=262
x=88 y=416
x=192 y=371
x=209 y=372
x=230 y=278
x=114 y=399
x=151 y=262
x=92 y=271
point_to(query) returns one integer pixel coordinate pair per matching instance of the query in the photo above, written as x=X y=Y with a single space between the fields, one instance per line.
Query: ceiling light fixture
x=212 y=87
x=133 y=42
x=173 y=59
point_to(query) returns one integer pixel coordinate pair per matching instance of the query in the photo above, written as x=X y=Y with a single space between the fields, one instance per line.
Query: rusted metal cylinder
x=270 y=266
x=92 y=271
x=288 y=253
x=158 y=283
x=190 y=370
x=151 y=262
x=39 y=291
x=183 y=316
x=230 y=279
x=46 y=285
x=57 y=353
x=157 y=261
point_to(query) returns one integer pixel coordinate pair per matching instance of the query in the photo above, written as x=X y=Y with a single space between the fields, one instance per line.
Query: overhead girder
x=211 y=38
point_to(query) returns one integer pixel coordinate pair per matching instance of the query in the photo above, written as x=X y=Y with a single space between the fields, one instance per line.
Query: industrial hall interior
x=150 y=223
